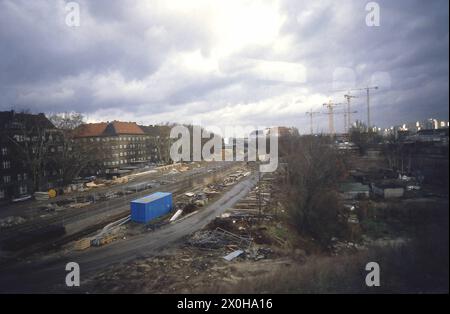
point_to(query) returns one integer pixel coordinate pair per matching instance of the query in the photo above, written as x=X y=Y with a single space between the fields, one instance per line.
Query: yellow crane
x=330 y=106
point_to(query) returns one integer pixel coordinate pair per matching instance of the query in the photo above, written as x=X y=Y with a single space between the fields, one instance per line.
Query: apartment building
x=28 y=145
x=112 y=146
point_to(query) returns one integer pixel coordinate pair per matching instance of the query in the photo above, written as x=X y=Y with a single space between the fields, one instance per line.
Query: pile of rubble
x=229 y=244
x=218 y=239
x=241 y=231
x=338 y=247
x=260 y=253
x=228 y=181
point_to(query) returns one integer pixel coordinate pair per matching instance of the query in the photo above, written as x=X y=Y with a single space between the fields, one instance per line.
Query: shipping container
x=150 y=207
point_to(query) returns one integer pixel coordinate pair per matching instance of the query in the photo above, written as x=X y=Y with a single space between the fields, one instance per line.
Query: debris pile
x=218 y=239
x=259 y=253
x=240 y=231
x=231 y=179
x=338 y=247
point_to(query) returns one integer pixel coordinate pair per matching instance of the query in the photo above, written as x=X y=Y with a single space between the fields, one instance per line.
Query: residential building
x=28 y=145
x=157 y=142
x=388 y=189
x=115 y=147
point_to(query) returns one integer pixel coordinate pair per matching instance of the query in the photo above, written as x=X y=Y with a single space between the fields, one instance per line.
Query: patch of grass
x=419 y=266
x=403 y=270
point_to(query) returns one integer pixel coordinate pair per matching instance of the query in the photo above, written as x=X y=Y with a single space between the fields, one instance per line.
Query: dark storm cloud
x=146 y=60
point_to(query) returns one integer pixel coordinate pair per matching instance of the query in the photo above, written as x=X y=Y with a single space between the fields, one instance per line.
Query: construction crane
x=345 y=113
x=346 y=120
x=330 y=106
x=311 y=114
x=367 y=89
x=348 y=116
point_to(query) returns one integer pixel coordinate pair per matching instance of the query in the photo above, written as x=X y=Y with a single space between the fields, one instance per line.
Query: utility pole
x=311 y=113
x=259 y=193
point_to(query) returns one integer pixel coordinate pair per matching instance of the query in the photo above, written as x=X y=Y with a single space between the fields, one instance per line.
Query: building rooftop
x=118 y=127
x=11 y=118
x=108 y=129
x=151 y=197
x=91 y=129
x=353 y=187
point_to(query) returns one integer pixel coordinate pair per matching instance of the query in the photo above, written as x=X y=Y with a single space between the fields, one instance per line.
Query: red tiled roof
x=108 y=128
x=126 y=128
x=91 y=129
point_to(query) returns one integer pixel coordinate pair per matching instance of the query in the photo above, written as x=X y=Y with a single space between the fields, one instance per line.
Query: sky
x=226 y=63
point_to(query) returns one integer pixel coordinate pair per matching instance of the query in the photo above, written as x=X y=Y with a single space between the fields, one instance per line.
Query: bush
x=313 y=171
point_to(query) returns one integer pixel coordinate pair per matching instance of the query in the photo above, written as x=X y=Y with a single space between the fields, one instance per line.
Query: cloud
x=224 y=62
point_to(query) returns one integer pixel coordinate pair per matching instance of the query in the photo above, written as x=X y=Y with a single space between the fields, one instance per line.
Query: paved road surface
x=49 y=275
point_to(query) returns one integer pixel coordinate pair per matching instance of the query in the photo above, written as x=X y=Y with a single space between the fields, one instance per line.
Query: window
x=6 y=179
x=4 y=151
x=25 y=176
x=6 y=164
x=19 y=177
x=2 y=194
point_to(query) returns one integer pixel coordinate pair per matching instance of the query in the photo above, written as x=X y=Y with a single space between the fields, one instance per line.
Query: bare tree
x=72 y=157
x=313 y=172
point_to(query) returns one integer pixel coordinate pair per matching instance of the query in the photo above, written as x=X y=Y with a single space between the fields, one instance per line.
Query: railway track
x=98 y=207
x=177 y=188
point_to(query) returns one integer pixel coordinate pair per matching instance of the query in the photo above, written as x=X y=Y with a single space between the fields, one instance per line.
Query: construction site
x=227 y=227
x=244 y=240
x=211 y=227
x=253 y=243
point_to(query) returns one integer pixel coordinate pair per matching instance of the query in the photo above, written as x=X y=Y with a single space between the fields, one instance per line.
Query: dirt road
x=49 y=275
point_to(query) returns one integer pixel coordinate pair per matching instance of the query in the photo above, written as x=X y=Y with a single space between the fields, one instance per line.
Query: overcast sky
x=222 y=63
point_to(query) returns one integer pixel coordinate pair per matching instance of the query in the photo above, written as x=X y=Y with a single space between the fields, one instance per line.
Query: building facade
x=114 y=147
x=29 y=144
x=158 y=143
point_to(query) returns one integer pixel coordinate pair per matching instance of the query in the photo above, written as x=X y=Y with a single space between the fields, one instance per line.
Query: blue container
x=150 y=207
